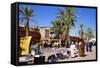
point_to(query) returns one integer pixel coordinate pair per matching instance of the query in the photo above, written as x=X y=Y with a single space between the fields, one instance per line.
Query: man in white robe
x=72 y=49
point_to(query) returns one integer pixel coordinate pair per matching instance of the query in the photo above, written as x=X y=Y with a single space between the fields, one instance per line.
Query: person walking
x=90 y=46
x=87 y=46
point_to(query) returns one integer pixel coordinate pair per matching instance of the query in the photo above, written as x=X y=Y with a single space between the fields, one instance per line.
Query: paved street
x=49 y=51
x=89 y=55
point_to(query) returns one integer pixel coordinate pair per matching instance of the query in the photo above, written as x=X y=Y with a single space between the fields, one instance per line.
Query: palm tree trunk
x=27 y=28
x=67 y=34
x=60 y=40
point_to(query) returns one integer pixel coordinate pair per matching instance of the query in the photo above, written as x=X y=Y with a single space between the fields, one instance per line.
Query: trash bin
x=39 y=59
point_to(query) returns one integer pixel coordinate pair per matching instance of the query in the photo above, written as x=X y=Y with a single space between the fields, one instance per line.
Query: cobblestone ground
x=89 y=55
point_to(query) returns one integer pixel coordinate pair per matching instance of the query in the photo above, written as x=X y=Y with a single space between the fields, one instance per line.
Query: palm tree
x=26 y=13
x=81 y=32
x=57 y=27
x=67 y=16
x=89 y=33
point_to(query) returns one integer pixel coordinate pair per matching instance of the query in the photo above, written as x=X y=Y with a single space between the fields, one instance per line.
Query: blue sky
x=45 y=14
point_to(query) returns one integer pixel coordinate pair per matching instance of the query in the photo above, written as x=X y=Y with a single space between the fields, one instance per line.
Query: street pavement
x=50 y=51
x=89 y=55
